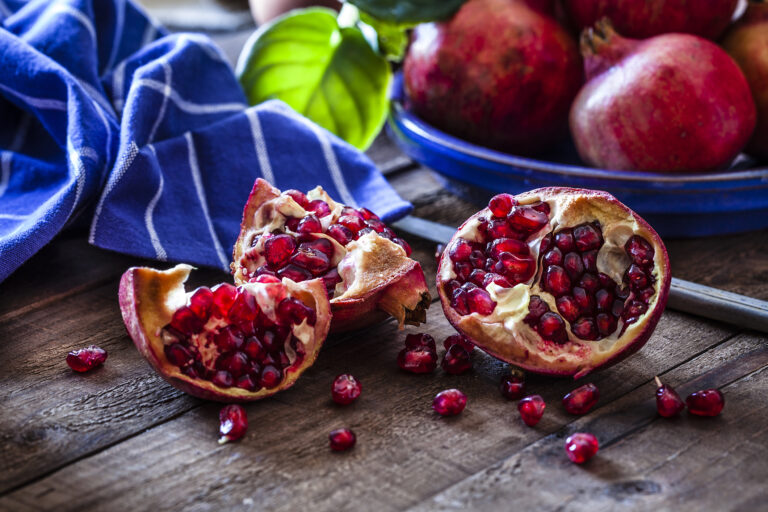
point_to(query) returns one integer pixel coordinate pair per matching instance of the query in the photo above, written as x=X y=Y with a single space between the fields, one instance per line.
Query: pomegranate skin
x=500 y=73
x=747 y=43
x=671 y=103
x=642 y=19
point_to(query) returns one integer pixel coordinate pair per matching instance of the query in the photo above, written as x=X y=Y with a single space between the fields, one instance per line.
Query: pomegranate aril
x=564 y=240
x=247 y=383
x=244 y=309
x=449 y=402
x=518 y=268
x=322 y=245
x=479 y=301
x=478 y=277
x=552 y=327
x=235 y=363
x=459 y=302
x=201 y=302
x=585 y=328
x=645 y=295
x=584 y=301
x=556 y=281
x=352 y=222
x=531 y=409
x=314 y=261
x=402 y=243
x=340 y=233
x=581 y=446
x=509 y=245
x=420 y=360
x=606 y=281
x=345 y=389
x=541 y=207
x=233 y=423
x=341 y=439
x=635 y=309
x=640 y=251
x=228 y=338
x=223 y=296
x=186 y=321
x=364 y=232
x=603 y=300
x=587 y=237
x=291 y=310
x=458 y=339
x=178 y=355
x=367 y=214
x=270 y=376
x=456 y=360
x=292 y=223
x=707 y=402
x=85 y=359
x=512 y=386
x=463 y=270
x=376 y=225
x=223 y=379
x=668 y=402
x=460 y=251
x=496 y=278
x=606 y=324
x=536 y=308
x=309 y=224
x=294 y=273
x=573 y=265
x=319 y=207
x=253 y=348
x=501 y=204
x=553 y=257
x=567 y=307
x=278 y=250
x=589 y=259
x=266 y=278
x=526 y=219
x=582 y=399
x=637 y=278
x=589 y=282
x=331 y=279
x=420 y=340
x=618 y=308
x=477 y=258
x=500 y=229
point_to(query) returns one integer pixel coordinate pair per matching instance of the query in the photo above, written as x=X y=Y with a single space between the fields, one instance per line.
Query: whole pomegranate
x=227 y=343
x=557 y=281
x=364 y=265
x=646 y=18
x=747 y=42
x=674 y=102
x=500 y=73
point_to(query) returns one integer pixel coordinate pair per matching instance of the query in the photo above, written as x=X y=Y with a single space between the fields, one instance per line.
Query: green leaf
x=392 y=37
x=409 y=11
x=325 y=72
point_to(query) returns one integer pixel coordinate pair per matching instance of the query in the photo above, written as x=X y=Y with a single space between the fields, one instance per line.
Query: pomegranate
x=512 y=386
x=531 y=409
x=449 y=402
x=747 y=43
x=342 y=439
x=456 y=360
x=86 y=359
x=708 y=402
x=668 y=402
x=499 y=73
x=581 y=446
x=227 y=343
x=233 y=423
x=581 y=400
x=345 y=389
x=642 y=19
x=563 y=282
x=674 y=103
x=363 y=263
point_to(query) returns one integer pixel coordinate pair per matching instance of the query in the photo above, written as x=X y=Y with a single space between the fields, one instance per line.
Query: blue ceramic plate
x=675 y=205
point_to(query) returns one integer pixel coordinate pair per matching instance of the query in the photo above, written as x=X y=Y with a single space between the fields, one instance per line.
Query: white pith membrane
x=504 y=331
x=149 y=302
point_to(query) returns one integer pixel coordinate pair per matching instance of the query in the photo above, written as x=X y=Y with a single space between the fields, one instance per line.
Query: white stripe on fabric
x=41 y=103
x=119 y=22
x=198 y=180
x=78 y=15
x=166 y=93
x=96 y=96
x=150 y=211
x=76 y=159
x=5 y=170
x=188 y=106
x=260 y=145
x=118 y=79
x=333 y=165
x=4 y=10
x=149 y=35
x=120 y=168
x=204 y=44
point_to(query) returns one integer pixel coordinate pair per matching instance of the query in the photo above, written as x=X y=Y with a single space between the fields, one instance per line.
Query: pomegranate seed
x=292 y=223
x=297 y=196
x=456 y=360
x=186 y=321
x=668 y=402
x=342 y=439
x=478 y=277
x=345 y=389
x=500 y=229
x=341 y=234
x=541 y=207
x=294 y=273
x=233 y=423
x=640 y=251
x=223 y=296
x=526 y=219
x=587 y=237
x=405 y=245
x=463 y=270
x=367 y=214
x=708 y=402
x=376 y=225
x=235 y=363
x=553 y=257
x=582 y=399
x=85 y=359
x=497 y=279
x=319 y=207
x=585 y=328
x=501 y=204
x=177 y=354
x=291 y=310
x=365 y=231
x=580 y=447
x=552 y=327
x=244 y=309
x=564 y=240
x=266 y=278
x=246 y=382
x=531 y=409
x=278 y=250
x=314 y=261
x=270 y=377
x=229 y=338
x=606 y=324
x=322 y=245
x=223 y=379
x=637 y=278
x=556 y=281
x=201 y=303
x=604 y=300
x=512 y=386
x=309 y=224
x=536 y=309
x=589 y=282
x=573 y=265
x=449 y=402
x=460 y=250
x=479 y=301
x=253 y=348
x=509 y=245
x=420 y=340
x=352 y=222
x=421 y=360
x=567 y=307
x=458 y=339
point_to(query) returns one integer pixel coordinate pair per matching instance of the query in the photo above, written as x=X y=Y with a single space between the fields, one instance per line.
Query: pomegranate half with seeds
x=226 y=343
x=557 y=281
x=365 y=266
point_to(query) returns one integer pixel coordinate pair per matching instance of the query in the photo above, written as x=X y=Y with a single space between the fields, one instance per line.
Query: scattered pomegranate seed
x=707 y=402
x=345 y=389
x=581 y=446
x=582 y=399
x=233 y=423
x=668 y=402
x=342 y=439
x=449 y=402
x=420 y=340
x=417 y=361
x=531 y=409
x=458 y=339
x=512 y=386
x=456 y=360
x=87 y=358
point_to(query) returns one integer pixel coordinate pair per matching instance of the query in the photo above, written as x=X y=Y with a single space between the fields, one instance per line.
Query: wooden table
x=120 y=438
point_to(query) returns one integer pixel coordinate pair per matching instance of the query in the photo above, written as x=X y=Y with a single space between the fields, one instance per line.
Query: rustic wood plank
x=646 y=462
x=404 y=455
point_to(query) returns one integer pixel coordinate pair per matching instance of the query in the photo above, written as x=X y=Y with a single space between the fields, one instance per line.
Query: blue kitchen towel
x=104 y=114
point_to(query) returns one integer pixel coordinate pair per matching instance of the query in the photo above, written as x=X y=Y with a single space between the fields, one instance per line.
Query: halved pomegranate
x=227 y=343
x=557 y=281
x=363 y=263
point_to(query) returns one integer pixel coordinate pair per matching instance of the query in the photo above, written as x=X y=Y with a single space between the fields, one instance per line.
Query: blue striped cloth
x=147 y=136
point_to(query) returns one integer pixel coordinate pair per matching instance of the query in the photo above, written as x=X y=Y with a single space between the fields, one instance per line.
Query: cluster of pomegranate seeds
x=223 y=336
x=233 y=423
x=582 y=399
x=419 y=354
x=345 y=389
x=341 y=439
x=580 y=447
x=531 y=409
x=668 y=402
x=512 y=386
x=708 y=402
x=85 y=359
x=456 y=359
x=449 y=402
x=500 y=256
